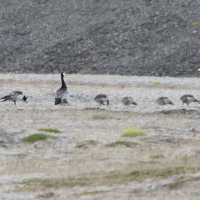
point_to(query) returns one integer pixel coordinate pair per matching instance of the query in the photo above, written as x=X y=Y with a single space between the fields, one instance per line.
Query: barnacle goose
x=164 y=101
x=128 y=101
x=188 y=98
x=102 y=98
x=62 y=95
x=15 y=96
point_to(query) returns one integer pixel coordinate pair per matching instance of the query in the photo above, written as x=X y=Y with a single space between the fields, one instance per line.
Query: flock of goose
x=62 y=97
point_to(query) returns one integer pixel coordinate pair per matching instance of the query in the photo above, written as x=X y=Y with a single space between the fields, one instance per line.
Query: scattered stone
x=46 y=195
x=178 y=192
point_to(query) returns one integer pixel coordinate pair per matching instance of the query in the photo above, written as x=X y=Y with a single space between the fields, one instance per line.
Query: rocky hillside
x=138 y=37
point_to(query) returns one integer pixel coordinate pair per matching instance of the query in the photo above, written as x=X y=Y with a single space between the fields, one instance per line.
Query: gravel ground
x=83 y=89
x=140 y=37
x=80 y=151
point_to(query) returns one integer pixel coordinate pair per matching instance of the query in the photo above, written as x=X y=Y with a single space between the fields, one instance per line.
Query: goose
x=164 y=101
x=62 y=95
x=128 y=101
x=188 y=98
x=15 y=96
x=102 y=98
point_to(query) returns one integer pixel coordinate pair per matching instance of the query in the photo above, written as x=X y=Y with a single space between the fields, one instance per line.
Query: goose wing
x=132 y=101
x=167 y=101
x=12 y=95
x=184 y=97
x=101 y=96
x=125 y=100
x=60 y=93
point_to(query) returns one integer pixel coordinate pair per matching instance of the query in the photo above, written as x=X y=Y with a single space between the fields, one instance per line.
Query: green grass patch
x=100 y=117
x=195 y=24
x=133 y=132
x=100 y=179
x=156 y=83
x=115 y=101
x=51 y=130
x=184 y=157
x=197 y=178
x=35 y=137
x=91 y=193
x=147 y=162
x=86 y=143
x=156 y=156
x=122 y=143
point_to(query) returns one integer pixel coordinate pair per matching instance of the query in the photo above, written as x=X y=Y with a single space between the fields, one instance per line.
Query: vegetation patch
x=86 y=143
x=148 y=162
x=122 y=143
x=157 y=156
x=133 y=132
x=115 y=101
x=51 y=130
x=184 y=157
x=100 y=117
x=195 y=24
x=107 y=179
x=35 y=137
x=197 y=178
x=156 y=83
x=91 y=193
x=177 y=184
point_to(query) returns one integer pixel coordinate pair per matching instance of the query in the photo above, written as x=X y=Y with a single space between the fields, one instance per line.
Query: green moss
x=91 y=193
x=35 y=137
x=107 y=179
x=122 y=143
x=115 y=101
x=133 y=132
x=156 y=83
x=148 y=162
x=184 y=157
x=156 y=156
x=196 y=178
x=86 y=143
x=195 y=24
x=91 y=142
x=50 y=130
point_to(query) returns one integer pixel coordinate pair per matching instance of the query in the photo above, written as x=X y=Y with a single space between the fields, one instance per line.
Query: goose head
x=63 y=74
x=25 y=99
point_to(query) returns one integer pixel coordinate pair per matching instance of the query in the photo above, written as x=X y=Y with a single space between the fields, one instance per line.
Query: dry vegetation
x=89 y=156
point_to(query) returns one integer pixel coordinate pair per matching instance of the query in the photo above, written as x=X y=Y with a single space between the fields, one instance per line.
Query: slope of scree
x=139 y=37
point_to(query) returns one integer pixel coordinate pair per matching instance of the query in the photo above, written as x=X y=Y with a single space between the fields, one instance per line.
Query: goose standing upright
x=188 y=98
x=15 y=96
x=62 y=95
x=128 y=101
x=102 y=98
x=164 y=101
